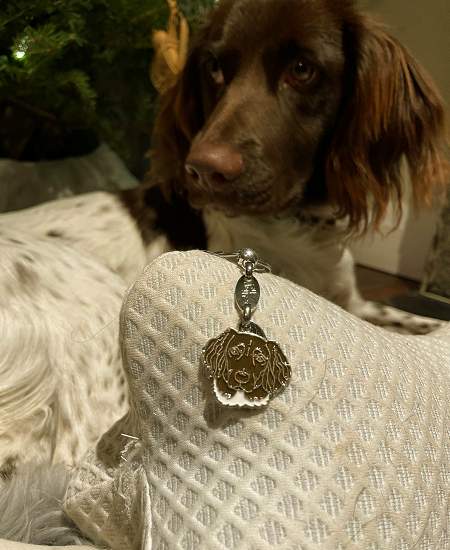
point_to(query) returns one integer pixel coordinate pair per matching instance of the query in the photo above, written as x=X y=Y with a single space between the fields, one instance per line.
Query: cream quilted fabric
x=354 y=454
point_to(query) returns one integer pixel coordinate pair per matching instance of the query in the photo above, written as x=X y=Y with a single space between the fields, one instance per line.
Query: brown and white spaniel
x=288 y=130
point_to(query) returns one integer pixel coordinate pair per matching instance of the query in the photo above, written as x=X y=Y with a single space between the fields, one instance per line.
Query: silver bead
x=248 y=255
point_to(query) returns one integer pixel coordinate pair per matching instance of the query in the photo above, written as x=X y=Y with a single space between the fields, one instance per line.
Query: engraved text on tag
x=247 y=292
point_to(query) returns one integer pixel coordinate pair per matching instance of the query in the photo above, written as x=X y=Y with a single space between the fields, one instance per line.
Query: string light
x=21 y=48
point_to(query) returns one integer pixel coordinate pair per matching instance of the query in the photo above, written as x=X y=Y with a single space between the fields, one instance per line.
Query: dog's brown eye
x=214 y=71
x=300 y=72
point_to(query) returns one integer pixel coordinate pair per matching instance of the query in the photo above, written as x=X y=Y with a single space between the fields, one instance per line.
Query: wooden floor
x=401 y=293
x=381 y=287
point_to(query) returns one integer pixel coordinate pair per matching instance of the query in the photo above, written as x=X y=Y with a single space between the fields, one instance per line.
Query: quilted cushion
x=354 y=453
x=9 y=545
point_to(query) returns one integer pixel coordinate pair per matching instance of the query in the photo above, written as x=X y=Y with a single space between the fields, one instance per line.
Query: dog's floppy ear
x=391 y=111
x=179 y=118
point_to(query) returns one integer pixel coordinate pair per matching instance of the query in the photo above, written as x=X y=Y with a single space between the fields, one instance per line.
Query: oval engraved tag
x=247 y=292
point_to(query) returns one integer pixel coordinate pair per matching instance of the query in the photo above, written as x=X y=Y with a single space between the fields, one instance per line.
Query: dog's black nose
x=214 y=163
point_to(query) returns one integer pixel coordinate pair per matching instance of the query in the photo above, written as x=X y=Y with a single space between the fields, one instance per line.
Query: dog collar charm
x=246 y=369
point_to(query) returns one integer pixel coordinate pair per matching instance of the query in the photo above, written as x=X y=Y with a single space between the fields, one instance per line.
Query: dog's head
x=285 y=103
x=246 y=362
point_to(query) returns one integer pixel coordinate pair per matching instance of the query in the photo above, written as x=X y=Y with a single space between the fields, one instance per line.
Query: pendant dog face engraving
x=247 y=370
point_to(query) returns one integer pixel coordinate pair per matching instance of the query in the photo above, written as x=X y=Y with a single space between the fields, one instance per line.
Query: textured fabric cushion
x=9 y=545
x=354 y=453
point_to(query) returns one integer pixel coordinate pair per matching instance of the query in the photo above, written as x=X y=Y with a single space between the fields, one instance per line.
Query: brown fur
x=339 y=140
x=393 y=111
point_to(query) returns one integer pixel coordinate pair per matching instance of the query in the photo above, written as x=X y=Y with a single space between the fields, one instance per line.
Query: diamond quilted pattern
x=207 y=515
x=246 y=509
x=290 y=507
x=223 y=490
x=353 y=454
x=189 y=498
x=306 y=480
x=190 y=541
x=229 y=536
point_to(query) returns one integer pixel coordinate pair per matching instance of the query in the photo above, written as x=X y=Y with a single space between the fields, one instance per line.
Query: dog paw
x=396 y=320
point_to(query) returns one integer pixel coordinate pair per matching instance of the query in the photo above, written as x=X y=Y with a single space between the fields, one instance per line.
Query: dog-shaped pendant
x=247 y=370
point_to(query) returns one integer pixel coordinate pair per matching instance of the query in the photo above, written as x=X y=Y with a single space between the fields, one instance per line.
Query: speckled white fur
x=60 y=370
x=94 y=223
x=64 y=268
x=31 y=508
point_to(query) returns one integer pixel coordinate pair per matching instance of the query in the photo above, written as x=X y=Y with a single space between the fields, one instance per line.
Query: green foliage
x=77 y=64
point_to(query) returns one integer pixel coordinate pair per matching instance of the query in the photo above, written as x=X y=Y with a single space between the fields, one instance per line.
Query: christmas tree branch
x=33 y=110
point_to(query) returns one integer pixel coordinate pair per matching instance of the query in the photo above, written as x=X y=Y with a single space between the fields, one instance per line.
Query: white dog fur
x=65 y=266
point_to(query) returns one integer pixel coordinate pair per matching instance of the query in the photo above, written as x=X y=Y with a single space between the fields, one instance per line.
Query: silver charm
x=246 y=369
x=247 y=293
